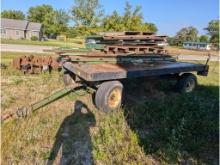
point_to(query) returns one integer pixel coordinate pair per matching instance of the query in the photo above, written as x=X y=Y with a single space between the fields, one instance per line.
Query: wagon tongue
x=24 y=111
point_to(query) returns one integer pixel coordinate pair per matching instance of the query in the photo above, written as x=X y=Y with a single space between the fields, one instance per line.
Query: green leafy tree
x=54 y=21
x=186 y=34
x=213 y=32
x=151 y=27
x=87 y=13
x=38 y=13
x=62 y=17
x=43 y=14
x=61 y=21
x=50 y=26
x=13 y=14
x=171 y=41
x=113 y=22
x=131 y=20
x=71 y=32
x=204 y=38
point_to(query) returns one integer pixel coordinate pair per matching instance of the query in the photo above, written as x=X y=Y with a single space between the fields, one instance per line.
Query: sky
x=168 y=15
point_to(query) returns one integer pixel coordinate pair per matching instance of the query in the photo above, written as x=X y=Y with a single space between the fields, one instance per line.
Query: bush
x=61 y=38
x=34 y=38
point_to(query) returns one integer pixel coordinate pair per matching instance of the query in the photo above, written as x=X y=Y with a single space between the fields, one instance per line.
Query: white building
x=197 y=45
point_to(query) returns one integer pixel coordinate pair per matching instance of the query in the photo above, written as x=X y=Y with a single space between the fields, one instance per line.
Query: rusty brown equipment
x=128 y=42
x=120 y=43
x=105 y=46
x=35 y=64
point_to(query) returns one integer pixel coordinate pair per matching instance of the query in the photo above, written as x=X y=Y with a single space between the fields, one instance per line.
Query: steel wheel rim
x=114 y=98
x=190 y=85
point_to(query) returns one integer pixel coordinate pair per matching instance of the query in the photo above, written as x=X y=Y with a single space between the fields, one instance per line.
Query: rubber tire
x=68 y=79
x=103 y=92
x=181 y=85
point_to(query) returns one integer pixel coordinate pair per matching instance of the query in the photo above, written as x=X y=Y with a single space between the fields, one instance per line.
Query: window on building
x=3 y=31
x=17 y=33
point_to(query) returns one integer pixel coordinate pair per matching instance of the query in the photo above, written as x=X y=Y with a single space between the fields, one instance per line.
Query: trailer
x=106 y=78
x=108 y=60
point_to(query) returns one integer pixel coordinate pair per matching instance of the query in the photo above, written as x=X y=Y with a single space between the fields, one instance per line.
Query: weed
x=155 y=125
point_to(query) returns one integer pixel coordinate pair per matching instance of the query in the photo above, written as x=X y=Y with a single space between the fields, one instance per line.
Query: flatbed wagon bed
x=105 y=78
x=104 y=71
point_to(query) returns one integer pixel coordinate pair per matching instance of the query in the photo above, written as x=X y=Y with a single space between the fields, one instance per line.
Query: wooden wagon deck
x=101 y=72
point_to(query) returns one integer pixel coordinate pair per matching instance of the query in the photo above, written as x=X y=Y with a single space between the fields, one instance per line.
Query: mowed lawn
x=181 y=51
x=156 y=125
x=51 y=42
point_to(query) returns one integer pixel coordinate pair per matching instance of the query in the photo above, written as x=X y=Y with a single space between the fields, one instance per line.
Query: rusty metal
x=118 y=59
x=35 y=64
x=104 y=71
x=135 y=49
x=119 y=43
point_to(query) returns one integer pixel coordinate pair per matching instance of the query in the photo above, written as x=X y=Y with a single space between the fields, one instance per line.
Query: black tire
x=68 y=79
x=186 y=83
x=108 y=96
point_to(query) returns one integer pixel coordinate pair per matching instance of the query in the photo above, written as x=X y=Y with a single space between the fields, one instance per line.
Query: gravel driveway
x=24 y=48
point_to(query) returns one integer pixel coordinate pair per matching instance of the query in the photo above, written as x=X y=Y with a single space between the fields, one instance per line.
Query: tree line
x=191 y=34
x=88 y=17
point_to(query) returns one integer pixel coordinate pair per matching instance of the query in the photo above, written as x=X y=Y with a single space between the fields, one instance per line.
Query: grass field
x=177 y=51
x=68 y=43
x=155 y=125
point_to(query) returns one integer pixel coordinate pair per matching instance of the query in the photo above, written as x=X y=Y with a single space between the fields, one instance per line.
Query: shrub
x=34 y=38
x=61 y=38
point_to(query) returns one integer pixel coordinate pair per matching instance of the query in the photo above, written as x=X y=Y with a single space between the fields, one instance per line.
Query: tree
x=171 y=41
x=151 y=27
x=62 y=17
x=54 y=21
x=61 y=20
x=50 y=26
x=131 y=20
x=43 y=14
x=87 y=13
x=113 y=22
x=38 y=13
x=186 y=34
x=213 y=31
x=203 y=38
x=13 y=14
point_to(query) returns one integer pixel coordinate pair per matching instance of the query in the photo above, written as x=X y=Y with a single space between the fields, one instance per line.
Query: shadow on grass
x=73 y=137
x=174 y=128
